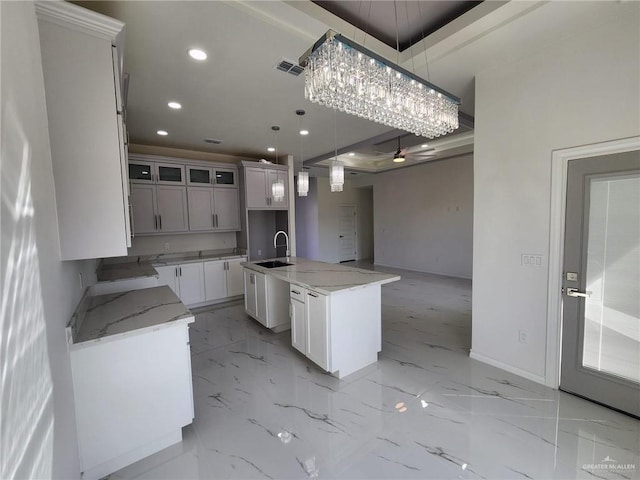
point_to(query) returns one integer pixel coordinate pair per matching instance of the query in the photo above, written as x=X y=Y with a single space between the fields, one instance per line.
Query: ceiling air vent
x=289 y=67
x=215 y=141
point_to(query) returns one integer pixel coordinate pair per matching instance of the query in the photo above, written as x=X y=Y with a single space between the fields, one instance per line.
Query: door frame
x=559 y=164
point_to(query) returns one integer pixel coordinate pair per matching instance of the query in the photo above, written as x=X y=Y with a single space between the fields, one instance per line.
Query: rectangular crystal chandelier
x=343 y=75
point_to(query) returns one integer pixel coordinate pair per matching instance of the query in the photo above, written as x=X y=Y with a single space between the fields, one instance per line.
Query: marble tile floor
x=425 y=410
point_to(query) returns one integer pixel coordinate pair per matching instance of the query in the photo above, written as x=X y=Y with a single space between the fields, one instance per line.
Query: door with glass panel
x=601 y=281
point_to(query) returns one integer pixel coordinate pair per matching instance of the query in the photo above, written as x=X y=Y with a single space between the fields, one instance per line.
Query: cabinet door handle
x=295 y=291
x=160 y=217
x=131 y=224
x=180 y=268
x=176 y=271
x=252 y=278
x=312 y=295
x=155 y=222
x=213 y=220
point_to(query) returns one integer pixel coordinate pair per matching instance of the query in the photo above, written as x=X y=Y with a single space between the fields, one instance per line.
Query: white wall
x=423 y=217
x=328 y=215
x=579 y=90
x=364 y=207
x=39 y=292
x=307 y=223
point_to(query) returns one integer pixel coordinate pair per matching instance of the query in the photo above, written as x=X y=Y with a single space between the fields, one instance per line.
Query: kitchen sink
x=273 y=264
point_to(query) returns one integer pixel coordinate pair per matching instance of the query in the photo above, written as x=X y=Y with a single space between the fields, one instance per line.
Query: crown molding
x=78 y=18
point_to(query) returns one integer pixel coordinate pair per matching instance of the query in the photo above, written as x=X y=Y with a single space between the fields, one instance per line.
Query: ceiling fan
x=415 y=154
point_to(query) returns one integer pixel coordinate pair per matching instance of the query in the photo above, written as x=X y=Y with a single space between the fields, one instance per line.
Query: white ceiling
x=236 y=95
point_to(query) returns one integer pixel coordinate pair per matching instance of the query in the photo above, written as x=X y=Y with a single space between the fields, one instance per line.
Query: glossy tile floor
x=425 y=410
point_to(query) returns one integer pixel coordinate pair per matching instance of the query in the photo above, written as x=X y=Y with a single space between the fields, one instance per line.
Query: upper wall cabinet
x=174 y=195
x=259 y=182
x=141 y=171
x=80 y=61
x=200 y=176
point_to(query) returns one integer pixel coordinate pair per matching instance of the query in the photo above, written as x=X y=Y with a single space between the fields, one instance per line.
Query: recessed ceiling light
x=424 y=145
x=398 y=160
x=304 y=132
x=352 y=154
x=197 y=54
x=162 y=133
x=271 y=149
x=174 y=105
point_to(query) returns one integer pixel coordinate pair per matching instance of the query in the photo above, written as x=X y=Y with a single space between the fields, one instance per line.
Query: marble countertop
x=143 y=266
x=121 y=271
x=126 y=312
x=326 y=278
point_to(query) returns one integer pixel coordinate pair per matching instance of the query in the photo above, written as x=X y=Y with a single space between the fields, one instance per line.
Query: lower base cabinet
x=197 y=283
x=186 y=280
x=310 y=325
x=267 y=300
x=132 y=396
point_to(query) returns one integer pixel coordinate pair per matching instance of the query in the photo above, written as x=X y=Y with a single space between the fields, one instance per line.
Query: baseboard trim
x=509 y=368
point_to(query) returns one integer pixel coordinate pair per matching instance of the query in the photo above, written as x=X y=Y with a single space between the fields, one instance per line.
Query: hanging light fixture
x=277 y=187
x=336 y=168
x=303 y=177
x=336 y=176
x=341 y=74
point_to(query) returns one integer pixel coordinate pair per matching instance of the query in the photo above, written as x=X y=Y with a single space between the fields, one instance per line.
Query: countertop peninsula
x=122 y=313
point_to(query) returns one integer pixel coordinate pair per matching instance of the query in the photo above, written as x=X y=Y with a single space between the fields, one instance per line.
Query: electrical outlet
x=166 y=247
x=522 y=336
x=531 y=260
x=259 y=252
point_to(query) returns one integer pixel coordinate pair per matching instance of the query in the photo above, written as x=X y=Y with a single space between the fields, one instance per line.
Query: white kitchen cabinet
x=186 y=280
x=132 y=391
x=267 y=300
x=298 y=318
x=310 y=324
x=258 y=188
x=200 y=175
x=201 y=210
x=156 y=173
x=191 y=278
x=143 y=208
x=317 y=329
x=168 y=275
x=171 y=204
x=85 y=131
x=225 y=203
x=159 y=208
x=223 y=278
x=212 y=209
x=234 y=276
x=215 y=280
x=250 y=293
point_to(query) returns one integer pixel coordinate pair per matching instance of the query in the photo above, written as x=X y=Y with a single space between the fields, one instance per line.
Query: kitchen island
x=334 y=311
x=131 y=368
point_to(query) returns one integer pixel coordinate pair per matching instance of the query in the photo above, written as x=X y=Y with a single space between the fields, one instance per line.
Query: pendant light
x=277 y=187
x=336 y=170
x=303 y=176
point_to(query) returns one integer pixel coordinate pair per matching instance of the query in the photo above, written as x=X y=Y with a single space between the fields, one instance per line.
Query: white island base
x=354 y=330
x=335 y=312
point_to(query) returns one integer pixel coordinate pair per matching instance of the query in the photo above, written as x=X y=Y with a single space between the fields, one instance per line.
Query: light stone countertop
x=326 y=278
x=126 y=312
x=129 y=267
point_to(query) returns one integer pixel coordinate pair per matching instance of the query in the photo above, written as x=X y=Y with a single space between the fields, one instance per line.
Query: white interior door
x=347 y=233
x=601 y=284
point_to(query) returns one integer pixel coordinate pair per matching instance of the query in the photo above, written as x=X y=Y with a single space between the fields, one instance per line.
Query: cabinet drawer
x=298 y=293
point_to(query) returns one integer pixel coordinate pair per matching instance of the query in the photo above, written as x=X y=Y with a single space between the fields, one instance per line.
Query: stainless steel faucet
x=286 y=237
